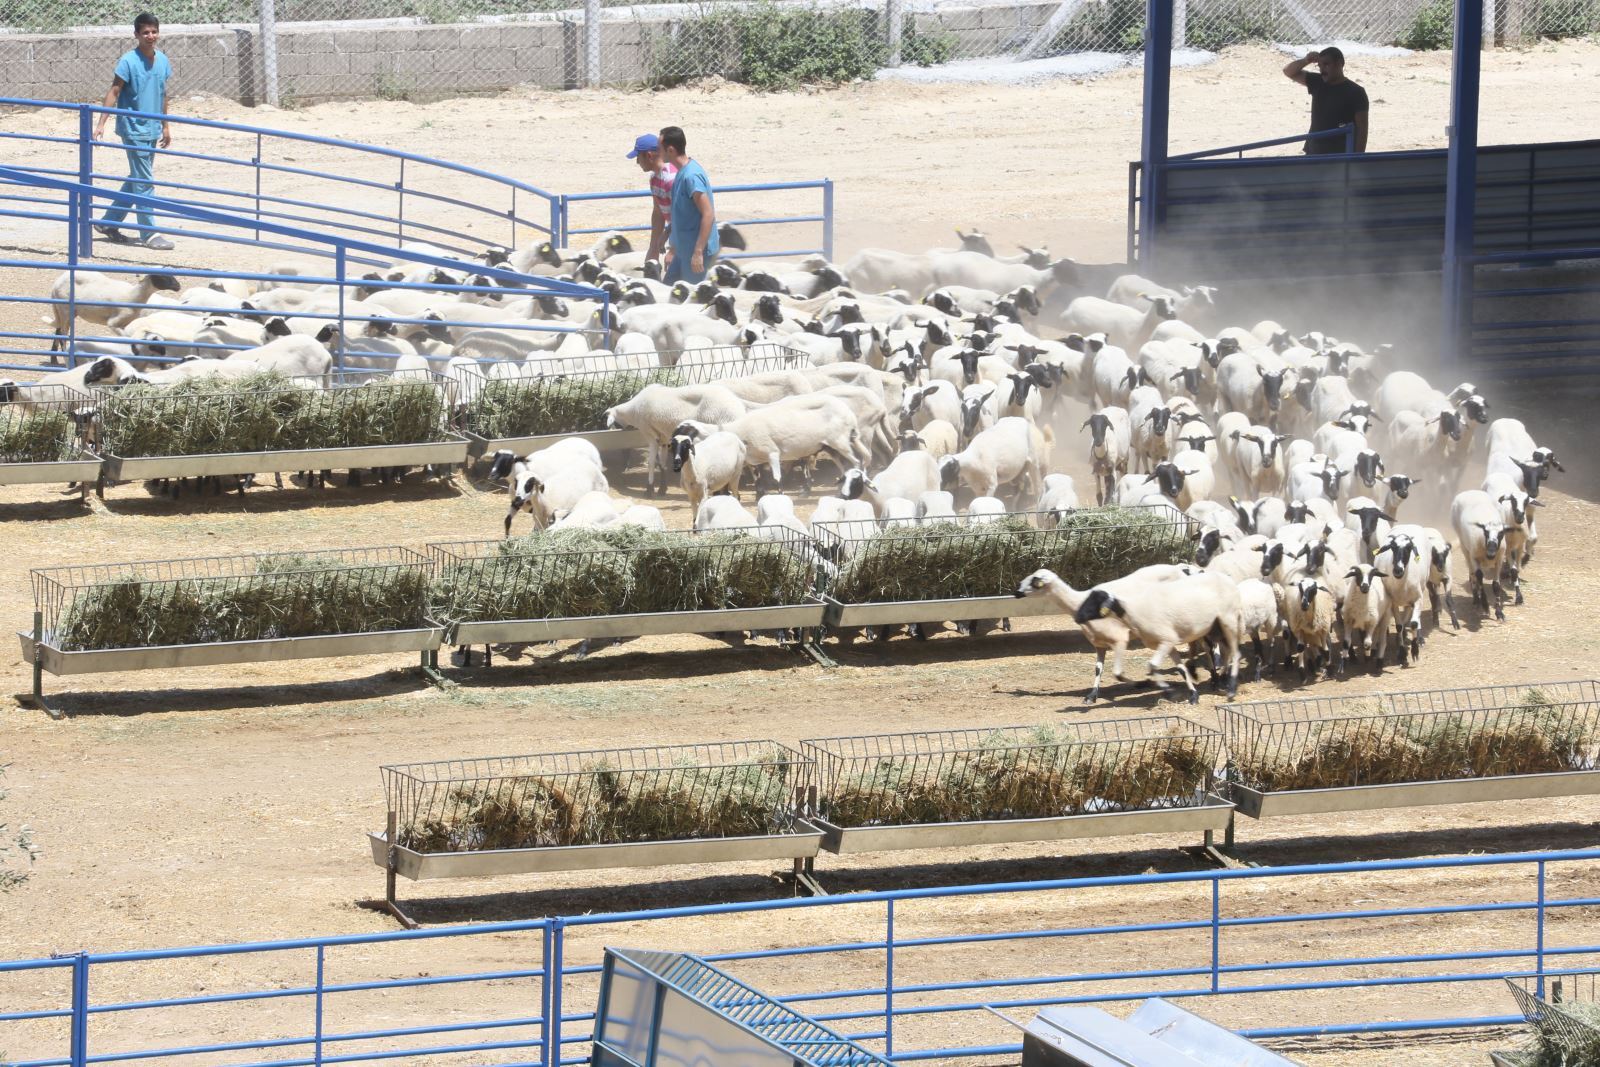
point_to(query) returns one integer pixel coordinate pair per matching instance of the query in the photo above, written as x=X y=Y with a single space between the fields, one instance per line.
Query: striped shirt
x=661 y=189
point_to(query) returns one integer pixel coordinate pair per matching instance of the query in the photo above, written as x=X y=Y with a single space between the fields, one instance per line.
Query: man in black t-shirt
x=1335 y=100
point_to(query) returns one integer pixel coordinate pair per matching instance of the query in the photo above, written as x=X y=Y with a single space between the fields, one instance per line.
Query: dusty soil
x=227 y=804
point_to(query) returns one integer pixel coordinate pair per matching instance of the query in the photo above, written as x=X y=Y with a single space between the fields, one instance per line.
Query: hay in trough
x=264 y=412
x=946 y=560
x=1374 y=746
x=1565 y=1035
x=525 y=407
x=604 y=804
x=1045 y=773
x=621 y=570
x=284 y=597
x=36 y=436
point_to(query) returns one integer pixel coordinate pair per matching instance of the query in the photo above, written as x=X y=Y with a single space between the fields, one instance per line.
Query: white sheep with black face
x=1364 y=614
x=102 y=299
x=907 y=477
x=708 y=465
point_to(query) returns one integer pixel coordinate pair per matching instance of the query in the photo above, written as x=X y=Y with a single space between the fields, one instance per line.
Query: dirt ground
x=225 y=804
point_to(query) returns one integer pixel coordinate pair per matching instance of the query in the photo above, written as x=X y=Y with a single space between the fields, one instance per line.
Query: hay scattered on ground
x=40 y=435
x=286 y=596
x=940 y=560
x=604 y=804
x=267 y=412
x=622 y=570
x=1046 y=773
x=557 y=404
x=1376 y=747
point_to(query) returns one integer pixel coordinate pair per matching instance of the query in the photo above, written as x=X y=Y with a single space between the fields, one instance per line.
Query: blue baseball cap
x=646 y=142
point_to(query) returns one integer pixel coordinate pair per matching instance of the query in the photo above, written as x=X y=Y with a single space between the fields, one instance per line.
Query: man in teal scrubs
x=692 y=242
x=140 y=84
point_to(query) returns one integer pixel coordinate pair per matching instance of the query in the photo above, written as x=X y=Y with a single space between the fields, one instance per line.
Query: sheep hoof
x=1094 y=694
x=1194 y=696
x=1518 y=602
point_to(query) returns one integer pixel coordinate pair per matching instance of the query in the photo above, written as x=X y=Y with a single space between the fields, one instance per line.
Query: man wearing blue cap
x=647 y=151
x=692 y=241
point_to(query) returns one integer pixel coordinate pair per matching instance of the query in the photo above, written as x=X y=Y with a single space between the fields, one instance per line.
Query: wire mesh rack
x=506 y=401
x=41 y=425
x=621 y=570
x=272 y=412
x=603 y=796
x=1013 y=772
x=1422 y=736
x=1566 y=1022
x=232 y=598
x=963 y=557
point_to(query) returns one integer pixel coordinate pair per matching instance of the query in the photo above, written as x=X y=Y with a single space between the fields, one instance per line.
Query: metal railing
x=880 y=976
x=1552 y=329
x=804 y=245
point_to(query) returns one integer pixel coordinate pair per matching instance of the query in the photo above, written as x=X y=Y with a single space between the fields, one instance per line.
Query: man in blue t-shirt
x=692 y=243
x=140 y=84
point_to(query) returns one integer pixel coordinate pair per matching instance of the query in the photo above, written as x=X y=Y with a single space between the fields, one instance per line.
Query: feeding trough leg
x=805 y=881
x=37 y=698
x=430 y=669
x=810 y=644
x=391 y=905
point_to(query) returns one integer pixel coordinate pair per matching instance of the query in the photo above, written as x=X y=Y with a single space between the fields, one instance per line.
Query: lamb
x=906 y=477
x=62 y=384
x=592 y=511
x=1516 y=511
x=671 y=325
x=91 y=296
x=1259 y=460
x=1125 y=327
x=1106 y=633
x=1313 y=618
x=1148 y=418
x=794 y=429
x=1260 y=620
x=722 y=513
x=1058 y=498
x=1365 y=615
x=296 y=355
x=548 y=461
x=643 y=516
x=1315 y=480
x=937 y=505
x=1405 y=579
x=1185 y=479
x=1368 y=518
x=658 y=411
x=936 y=437
x=1250 y=383
x=547 y=499
x=1166 y=613
x=936 y=400
x=1006 y=452
x=708 y=466
x=1115 y=375
x=985 y=509
x=1109 y=446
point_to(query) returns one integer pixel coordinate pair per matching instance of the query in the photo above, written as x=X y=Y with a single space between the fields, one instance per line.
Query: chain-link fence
x=300 y=50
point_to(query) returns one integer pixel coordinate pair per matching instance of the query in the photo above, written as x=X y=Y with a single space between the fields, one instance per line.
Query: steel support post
x=1153 y=141
x=1461 y=180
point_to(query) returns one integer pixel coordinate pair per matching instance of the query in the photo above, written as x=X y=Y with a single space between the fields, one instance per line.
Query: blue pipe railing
x=343 y=249
x=886 y=1013
x=824 y=217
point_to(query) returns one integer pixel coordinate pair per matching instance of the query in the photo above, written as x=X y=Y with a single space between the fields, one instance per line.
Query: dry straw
x=941 y=560
x=284 y=596
x=1046 y=773
x=38 y=435
x=622 y=570
x=603 y=804
x=1376 y=747
x=267 y=412
x=555 y=404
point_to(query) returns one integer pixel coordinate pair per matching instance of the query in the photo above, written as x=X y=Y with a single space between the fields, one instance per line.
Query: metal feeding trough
x=1159 y=1034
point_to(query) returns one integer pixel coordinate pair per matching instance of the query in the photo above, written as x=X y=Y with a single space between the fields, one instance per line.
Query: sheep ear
x=1234 y=435
x=1353 y=572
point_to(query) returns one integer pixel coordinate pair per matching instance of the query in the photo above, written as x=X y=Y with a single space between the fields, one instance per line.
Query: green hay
x=1537 y=736
x=604 y=804
x=941 y=560
x=266 y=411
x=286 y=597
x=36 y=436
x=621 y=570
x=556 y=404
x=1044 y=774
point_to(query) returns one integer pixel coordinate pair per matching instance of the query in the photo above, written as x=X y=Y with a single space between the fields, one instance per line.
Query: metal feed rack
x=338 y=395
x=495 y=576
x=1071 y=772
x=568 y=397
x=49 y=408
x=561 y=811
x=204 y=594
x=1279 y=732
x=1554 y=1022
x=1096 y=551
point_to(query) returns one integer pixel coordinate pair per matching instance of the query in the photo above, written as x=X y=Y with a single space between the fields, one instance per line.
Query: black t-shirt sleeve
x=1359 y=100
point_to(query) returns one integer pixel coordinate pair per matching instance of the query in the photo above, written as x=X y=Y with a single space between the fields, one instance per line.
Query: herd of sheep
x=947 y=384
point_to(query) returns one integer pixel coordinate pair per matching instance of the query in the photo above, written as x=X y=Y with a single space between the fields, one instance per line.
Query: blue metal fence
x=525 y=992
x=822 y=218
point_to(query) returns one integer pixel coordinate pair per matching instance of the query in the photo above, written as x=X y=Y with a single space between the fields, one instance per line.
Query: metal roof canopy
x=1461 y=169
x=674 y=1008
x=1158 y=1034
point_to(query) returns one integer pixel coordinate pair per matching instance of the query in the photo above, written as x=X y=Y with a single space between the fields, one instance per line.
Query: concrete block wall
x=78 y=67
